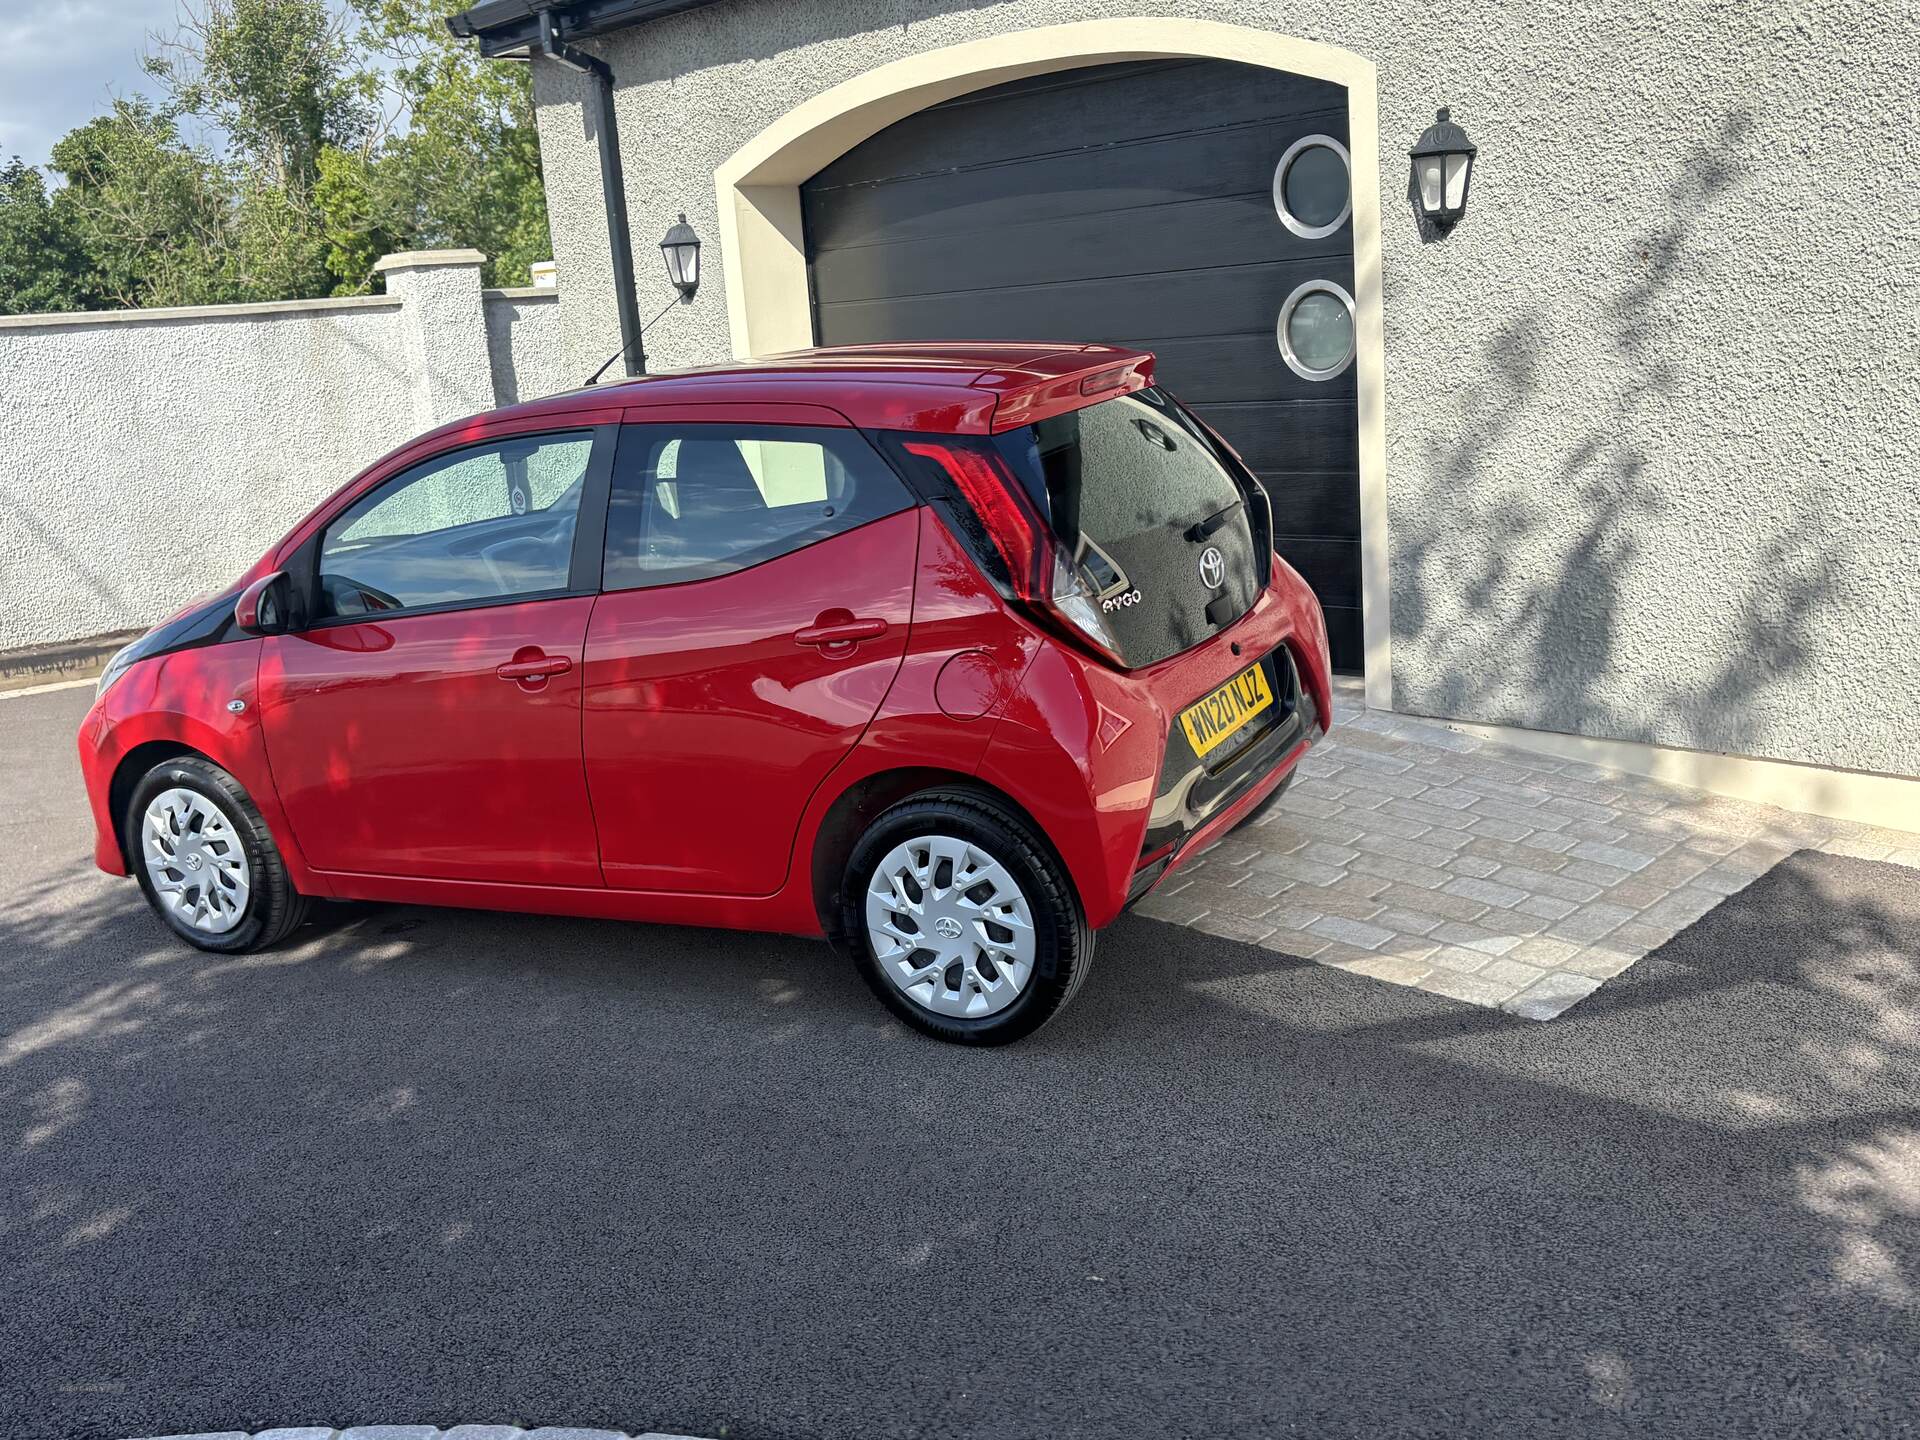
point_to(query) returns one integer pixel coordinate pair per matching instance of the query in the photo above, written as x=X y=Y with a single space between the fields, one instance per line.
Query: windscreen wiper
x=1200 y=530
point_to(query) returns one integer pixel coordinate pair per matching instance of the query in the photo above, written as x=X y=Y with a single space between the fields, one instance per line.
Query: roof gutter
x=613 y=181
x=510 y=28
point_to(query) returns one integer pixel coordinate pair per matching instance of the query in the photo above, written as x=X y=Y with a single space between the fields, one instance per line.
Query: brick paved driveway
x=1415 y=854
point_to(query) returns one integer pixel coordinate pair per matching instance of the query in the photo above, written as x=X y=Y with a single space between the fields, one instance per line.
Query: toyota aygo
x=947 y=652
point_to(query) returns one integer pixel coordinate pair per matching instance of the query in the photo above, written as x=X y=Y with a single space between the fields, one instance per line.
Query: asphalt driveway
x=442 y=1166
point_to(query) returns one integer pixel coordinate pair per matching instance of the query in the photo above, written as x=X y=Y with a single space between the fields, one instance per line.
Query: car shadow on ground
x=444 y=1165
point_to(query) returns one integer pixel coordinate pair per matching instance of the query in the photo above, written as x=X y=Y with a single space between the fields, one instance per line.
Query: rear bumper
x=1192 y=792
x=1266 y=770
x=1094 y=755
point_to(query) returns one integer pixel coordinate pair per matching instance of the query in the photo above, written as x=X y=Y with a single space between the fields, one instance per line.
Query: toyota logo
x=1213 y=567
x=947 y=927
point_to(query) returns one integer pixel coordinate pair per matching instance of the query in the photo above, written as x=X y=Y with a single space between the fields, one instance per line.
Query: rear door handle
x=539 y=667
x=838 y=633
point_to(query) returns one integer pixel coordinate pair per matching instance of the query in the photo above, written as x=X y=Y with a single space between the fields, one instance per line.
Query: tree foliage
x=40 y=264
x=341 y=136
x=278 y=77
x=466 y=171
x=145 y=213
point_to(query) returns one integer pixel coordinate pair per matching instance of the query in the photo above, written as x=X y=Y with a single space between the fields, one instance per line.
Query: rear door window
x=694 y=501
x=1157 y=519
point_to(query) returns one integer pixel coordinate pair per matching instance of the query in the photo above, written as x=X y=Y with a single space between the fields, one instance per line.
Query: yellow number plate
x=1227 y=711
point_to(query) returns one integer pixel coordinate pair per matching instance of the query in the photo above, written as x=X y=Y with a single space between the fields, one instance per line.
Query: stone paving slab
x=1411 y=853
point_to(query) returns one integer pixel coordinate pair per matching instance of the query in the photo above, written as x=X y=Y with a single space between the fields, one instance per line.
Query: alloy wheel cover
x=950 y=927
x=195 y=860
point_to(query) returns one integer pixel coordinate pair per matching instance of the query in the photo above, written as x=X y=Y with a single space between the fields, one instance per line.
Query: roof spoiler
x=1105 y=378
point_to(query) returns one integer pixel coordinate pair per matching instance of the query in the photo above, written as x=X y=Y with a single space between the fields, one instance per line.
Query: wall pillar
x=445 y=329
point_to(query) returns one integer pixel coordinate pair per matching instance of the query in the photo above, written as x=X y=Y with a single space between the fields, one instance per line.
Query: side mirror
x=266 y=607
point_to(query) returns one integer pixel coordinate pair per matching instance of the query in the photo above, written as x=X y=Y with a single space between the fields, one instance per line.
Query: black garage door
x=1134 y=204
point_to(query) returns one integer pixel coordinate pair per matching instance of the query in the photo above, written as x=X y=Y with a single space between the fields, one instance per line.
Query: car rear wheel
x=962 y=921
x=205 y=860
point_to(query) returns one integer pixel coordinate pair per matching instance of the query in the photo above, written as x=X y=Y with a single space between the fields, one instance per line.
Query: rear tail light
x=1076 y=600
x=1038 y=570
x=1007 y=515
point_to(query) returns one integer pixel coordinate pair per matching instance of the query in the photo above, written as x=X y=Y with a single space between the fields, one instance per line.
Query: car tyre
x=999 y=869
x=203 y=818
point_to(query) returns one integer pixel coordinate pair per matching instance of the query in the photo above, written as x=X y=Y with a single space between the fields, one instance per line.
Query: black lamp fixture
x=682 y=250
x=1442 y=170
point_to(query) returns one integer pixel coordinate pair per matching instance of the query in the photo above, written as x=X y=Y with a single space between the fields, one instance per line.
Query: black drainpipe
x=613 y=185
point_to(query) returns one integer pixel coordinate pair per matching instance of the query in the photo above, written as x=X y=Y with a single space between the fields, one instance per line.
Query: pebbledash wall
x=150 y=456
x=1651 y=462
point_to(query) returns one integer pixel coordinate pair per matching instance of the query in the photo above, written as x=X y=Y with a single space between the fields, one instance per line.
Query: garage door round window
x=1312 y=187
x=1316 y=330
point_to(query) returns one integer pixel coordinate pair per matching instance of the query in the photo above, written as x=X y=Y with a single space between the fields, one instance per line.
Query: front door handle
x=830 y=632
x=533 y=667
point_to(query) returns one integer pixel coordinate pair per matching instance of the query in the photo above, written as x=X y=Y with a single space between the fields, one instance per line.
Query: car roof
x=977 y=364
x=883 y=386
x=935 y=387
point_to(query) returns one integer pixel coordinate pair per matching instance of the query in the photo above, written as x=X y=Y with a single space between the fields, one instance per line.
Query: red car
x=949 y=652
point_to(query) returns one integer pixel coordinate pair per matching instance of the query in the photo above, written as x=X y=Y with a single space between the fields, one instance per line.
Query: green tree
x=150 y=213
x=279 y=78
x=357 y=226
x=41 y=264
x=342 y=138
x=276 y=247
x=466 y=170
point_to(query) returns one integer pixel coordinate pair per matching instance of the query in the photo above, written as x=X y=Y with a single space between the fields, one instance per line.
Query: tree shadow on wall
x=1566 y=628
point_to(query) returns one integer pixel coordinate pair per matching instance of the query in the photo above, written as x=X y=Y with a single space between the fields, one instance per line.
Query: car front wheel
x=962 y=921
x=205 y=860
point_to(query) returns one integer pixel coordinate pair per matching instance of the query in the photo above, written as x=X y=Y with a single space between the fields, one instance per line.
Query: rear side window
x=694 y=501
x=490 y=522
x=1137 y=488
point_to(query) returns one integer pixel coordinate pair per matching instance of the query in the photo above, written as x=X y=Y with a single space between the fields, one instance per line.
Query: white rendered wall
x=147 y=457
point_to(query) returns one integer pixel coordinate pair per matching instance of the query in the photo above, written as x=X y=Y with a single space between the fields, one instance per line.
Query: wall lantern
x=1442 y=170
x=682 y=250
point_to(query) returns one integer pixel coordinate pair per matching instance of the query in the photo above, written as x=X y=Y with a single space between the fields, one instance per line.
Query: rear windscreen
x=1155 y=518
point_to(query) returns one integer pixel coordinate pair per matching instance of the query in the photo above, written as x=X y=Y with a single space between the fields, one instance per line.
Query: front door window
x=487 y=523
